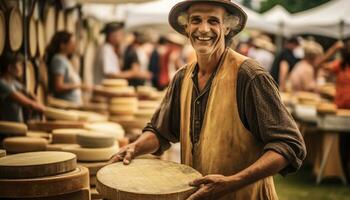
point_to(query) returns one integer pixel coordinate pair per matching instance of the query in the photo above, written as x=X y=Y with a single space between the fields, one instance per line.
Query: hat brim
x=230 y=7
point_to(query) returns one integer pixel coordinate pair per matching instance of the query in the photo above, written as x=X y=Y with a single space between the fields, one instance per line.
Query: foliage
x=292 y=6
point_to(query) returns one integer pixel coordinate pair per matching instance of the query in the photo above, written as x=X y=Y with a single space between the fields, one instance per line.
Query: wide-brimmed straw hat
x=231 y=8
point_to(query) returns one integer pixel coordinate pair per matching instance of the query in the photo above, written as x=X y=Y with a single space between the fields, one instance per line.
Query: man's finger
x=201 y=193
x=128 y=156
x=115 y=158
x=200 y=181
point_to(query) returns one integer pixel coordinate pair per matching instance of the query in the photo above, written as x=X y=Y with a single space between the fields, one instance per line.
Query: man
x=108 y=58
x=284 y=63
x=224 y=109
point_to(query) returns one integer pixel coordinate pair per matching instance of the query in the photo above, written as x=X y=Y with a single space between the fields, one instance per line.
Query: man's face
x=206 y=28
x=116 y=37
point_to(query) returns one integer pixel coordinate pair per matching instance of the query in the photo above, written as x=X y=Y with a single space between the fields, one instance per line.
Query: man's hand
x=211 y=187
x=125 y=154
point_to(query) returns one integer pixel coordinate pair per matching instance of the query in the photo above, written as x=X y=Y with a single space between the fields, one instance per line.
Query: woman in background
x=64 y=81
x=13 y=96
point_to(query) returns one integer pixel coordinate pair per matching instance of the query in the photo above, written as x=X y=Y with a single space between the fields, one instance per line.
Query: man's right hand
x=125 y=154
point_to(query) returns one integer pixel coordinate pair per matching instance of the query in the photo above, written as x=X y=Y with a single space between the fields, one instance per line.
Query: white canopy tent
x=331 y=19
x=278 y=16
x=156 y=14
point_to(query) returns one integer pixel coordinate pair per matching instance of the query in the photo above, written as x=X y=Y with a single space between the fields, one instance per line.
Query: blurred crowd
x=301 y=65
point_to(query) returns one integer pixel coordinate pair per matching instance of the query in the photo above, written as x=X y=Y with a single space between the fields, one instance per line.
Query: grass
x=302 y=185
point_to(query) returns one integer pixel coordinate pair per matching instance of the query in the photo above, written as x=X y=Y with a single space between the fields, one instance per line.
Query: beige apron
x=225 y=146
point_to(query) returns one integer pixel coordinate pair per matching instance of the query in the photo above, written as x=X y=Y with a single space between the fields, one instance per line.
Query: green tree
x=292 y=6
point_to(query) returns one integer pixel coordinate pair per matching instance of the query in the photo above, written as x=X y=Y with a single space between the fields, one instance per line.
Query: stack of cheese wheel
x=60 y=114
x=123 y=109
x=60 y=103
x=146 y=179
x=111 y=128
x=13 y=128
x=28 y=175
x=49 y=126
x=308 y=98
x=98 y=107
x=66 y=136
x=24 y=144
x=89 y=116
x=148 y=93
x=2 y=153
x=116 y=88
x=326 y=108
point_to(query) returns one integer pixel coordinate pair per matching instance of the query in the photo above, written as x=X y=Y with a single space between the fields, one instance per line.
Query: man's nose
x=204 y=27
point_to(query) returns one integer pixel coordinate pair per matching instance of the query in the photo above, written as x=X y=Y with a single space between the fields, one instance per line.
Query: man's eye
x=195 y=21
x=213 y=21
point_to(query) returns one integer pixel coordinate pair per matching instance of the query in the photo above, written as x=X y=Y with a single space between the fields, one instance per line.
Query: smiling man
x=225 y=111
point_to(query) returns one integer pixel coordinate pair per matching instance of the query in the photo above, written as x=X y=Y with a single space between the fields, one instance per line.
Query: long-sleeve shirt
x=260 y=109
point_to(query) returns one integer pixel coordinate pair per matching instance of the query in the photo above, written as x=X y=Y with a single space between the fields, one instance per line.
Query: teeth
x=204 y=38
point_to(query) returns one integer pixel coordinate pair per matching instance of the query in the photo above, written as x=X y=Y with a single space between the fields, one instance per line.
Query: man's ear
x=227 y=30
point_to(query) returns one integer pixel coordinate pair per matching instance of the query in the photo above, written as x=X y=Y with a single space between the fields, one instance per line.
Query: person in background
x=303 y=75
x=13 y=96
x=341 y=69
x=263 y=51
x=155 y=61
x=134 y=61
x=284 y=63
x=64 y=81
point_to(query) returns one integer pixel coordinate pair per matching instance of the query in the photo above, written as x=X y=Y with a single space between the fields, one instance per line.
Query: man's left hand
x=210 y=187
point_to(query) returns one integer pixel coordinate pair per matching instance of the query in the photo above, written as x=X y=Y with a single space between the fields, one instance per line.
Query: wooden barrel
x=50 y=26
x=30 y=77
x=41 y=38
x=15 y=30
x=32 y=43
x=60 y=24
x=71 y=21
x=146 y=179
x=2 y=32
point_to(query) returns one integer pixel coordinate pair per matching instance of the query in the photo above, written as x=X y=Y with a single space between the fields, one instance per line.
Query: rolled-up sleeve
x=165 y=122
x=269 y=120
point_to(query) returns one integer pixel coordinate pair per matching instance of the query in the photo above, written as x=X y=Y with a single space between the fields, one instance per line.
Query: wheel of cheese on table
x=144 y=113
x=326 y=108
x=45 y=186
x=13 y=128
x=95 y=140
x=120 y=91
x=146 y=104
x=83 y=194
x=89 y=116
x=49 y=126
x=59 y=147
x=59 y=114
x=124 y=100
x=146 y=179
x=66 y=136
x=121 y=118
x=39 y=134
x=60 y=103
x=2 y=153
x=24 y=144
x=343 y=112
x=115 y=83
x=122 y=109
x=111 y=128
x=93 y=166
x=92 y=154
x=37 y=164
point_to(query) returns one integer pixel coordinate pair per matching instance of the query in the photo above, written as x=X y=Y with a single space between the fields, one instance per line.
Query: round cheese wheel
x=13 y=128
x=144 y=113
x=120 y=91
x=59 y=147
x=39 y=134
x=46 y=186
x=2 y=153
x=115 y=82
x=59 y=103
x=123 y=101
x=122 y=110
x=146 y=179
x=49 y=126
x=89 y=116
x=66 y=136
x=95 y=140
x=37 y=164
x=326 y=108
x=146 y=104
x=24 y=144
x=15 y=31
x=111 y=128
x=121 y=118
x=93 y=166
x=343 y=112
x=59 y=114
x=93 y=154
